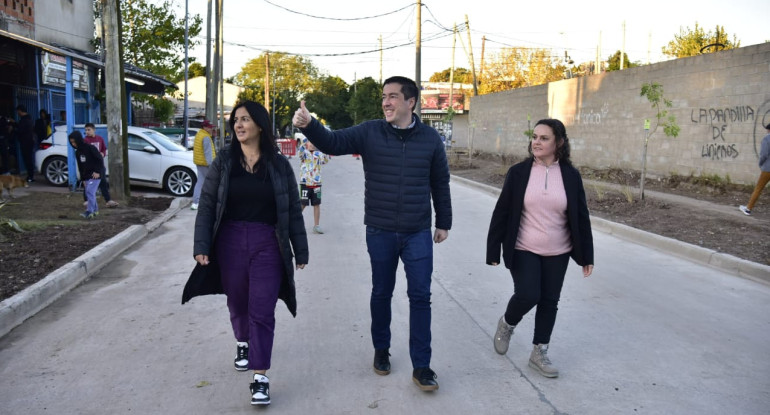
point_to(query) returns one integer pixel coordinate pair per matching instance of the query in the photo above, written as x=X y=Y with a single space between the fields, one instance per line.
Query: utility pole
x=355 y=93
x=209 y=68
x=473 y=65
x=483 y=46
x=113 y=74
x=380 y=59
x=267 y=79
x=221 y=74
x=418 y=58
x=452 y=69
x=218 y=73
x=623 y=47
x=186 y=71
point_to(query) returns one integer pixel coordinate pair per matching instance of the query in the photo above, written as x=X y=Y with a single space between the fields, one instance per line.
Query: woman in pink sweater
x=540 y=221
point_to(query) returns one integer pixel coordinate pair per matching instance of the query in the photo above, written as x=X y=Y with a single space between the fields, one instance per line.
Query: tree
x=291 y=78
x=365 y=100
x=461 y=75
x=614 y=62
x=153 y=36
x=329 y=102
x=696 y=41
x=196 y=69
x=519 y=67
x=654 y=94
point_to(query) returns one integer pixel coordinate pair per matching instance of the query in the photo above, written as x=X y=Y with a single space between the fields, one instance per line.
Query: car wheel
x=179 y=181
x=56 y=171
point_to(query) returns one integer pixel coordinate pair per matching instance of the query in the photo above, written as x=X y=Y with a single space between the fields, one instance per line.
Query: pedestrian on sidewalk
x=764 y=173
x=540 y=220
x=204 y=153
x=405 y=167
x=310 y=160
x=25 y=134
x=98 y=142
x=248 y=228
x=91 y=168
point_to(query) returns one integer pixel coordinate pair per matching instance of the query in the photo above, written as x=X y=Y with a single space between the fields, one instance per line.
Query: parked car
x=177 y=133
x=154 y=160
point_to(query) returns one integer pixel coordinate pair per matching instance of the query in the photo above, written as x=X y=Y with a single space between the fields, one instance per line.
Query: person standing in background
x=310 y=160
x=204 y=153
x=26 y=138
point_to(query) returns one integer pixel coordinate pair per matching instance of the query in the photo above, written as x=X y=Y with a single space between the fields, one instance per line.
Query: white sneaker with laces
x=194 y=206
x=260 y=390
x=241 y=356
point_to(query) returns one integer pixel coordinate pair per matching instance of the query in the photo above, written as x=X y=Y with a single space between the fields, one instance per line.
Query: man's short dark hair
x=21 y=108
x=90 y=124
x=408 y=88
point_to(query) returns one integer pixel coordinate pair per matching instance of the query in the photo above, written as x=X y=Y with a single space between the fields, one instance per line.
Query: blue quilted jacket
x=402 y=175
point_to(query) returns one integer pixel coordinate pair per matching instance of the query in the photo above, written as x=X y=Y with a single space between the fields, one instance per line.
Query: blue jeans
x=90 y=190
x=416 y=252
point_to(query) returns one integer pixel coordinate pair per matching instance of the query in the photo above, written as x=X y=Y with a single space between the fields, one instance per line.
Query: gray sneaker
x=503 y=336
x=539 y=361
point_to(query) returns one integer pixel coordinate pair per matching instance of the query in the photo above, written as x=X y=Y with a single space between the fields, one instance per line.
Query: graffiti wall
x=721 y=102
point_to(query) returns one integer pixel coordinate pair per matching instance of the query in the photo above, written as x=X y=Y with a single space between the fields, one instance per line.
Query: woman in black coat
x=540 y=220
x=248 y=229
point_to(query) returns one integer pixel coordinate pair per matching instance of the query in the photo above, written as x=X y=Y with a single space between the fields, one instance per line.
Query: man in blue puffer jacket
x=405 y=166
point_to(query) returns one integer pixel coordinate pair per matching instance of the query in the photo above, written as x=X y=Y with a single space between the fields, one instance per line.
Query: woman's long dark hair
x=268 y=148
x=562 y=141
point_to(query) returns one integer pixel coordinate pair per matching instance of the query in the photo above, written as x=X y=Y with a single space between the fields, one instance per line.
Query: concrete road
x=647 y=333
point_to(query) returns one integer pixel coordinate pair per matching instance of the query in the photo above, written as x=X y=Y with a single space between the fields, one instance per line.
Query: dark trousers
x=28 y=156
x=537 y=281
x=416 y=252
x=251 y=267
x=4 y=167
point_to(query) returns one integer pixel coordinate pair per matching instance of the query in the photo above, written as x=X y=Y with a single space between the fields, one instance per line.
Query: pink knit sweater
x=543 y=229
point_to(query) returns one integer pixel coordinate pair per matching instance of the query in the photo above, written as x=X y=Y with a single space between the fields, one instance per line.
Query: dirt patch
x=55 y=234
x=694 y=223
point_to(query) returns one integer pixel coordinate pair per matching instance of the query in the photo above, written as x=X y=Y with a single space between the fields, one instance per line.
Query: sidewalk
x=642 y=335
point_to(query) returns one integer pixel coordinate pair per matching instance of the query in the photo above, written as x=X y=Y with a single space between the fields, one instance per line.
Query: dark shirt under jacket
x=250 y=197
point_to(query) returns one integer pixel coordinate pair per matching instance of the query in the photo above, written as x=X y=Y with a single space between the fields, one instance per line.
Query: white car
x=154 y=160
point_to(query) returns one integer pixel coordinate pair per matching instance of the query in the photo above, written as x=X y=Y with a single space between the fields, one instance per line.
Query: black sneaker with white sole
x=260 y=390
x=242 y=356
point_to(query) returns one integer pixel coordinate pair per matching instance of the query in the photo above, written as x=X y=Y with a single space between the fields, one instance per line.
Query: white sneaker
x=317 y=229
x=260 y=390
x=745 y=210
x=241 y=356
x=194 y=206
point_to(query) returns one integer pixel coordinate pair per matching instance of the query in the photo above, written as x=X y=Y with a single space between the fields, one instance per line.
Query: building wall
x=17 y=16
x=65 y=22
x=721 y=102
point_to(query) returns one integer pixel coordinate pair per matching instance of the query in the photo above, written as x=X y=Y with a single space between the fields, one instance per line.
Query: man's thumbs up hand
x=301 y=116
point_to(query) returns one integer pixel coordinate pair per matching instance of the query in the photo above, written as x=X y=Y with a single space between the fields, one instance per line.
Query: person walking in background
x=5 y=132
x=540 y=220
x=91 y=168
x=98 y=142
x=764 y=173
x=248 y=229
x=42 y=126
x=310 y=161
x=405 y=166
x=203 y=155
x=25 y=134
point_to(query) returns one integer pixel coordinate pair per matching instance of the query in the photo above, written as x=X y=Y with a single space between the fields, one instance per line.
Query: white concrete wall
x=65 y=22
x=720 y=100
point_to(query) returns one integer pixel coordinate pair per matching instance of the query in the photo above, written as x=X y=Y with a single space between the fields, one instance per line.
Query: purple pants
x=252 y=268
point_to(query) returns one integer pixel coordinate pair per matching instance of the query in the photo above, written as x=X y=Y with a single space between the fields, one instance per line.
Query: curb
x=29 y=301
x=704 y=256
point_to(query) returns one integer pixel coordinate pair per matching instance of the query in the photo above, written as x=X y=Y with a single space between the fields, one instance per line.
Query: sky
x=577 y=28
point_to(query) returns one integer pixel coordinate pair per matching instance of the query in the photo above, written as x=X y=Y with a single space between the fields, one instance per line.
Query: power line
x=336 y=18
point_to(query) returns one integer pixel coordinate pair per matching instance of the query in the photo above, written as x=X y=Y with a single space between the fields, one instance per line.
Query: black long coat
x=506 y=218
x=290 y=229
